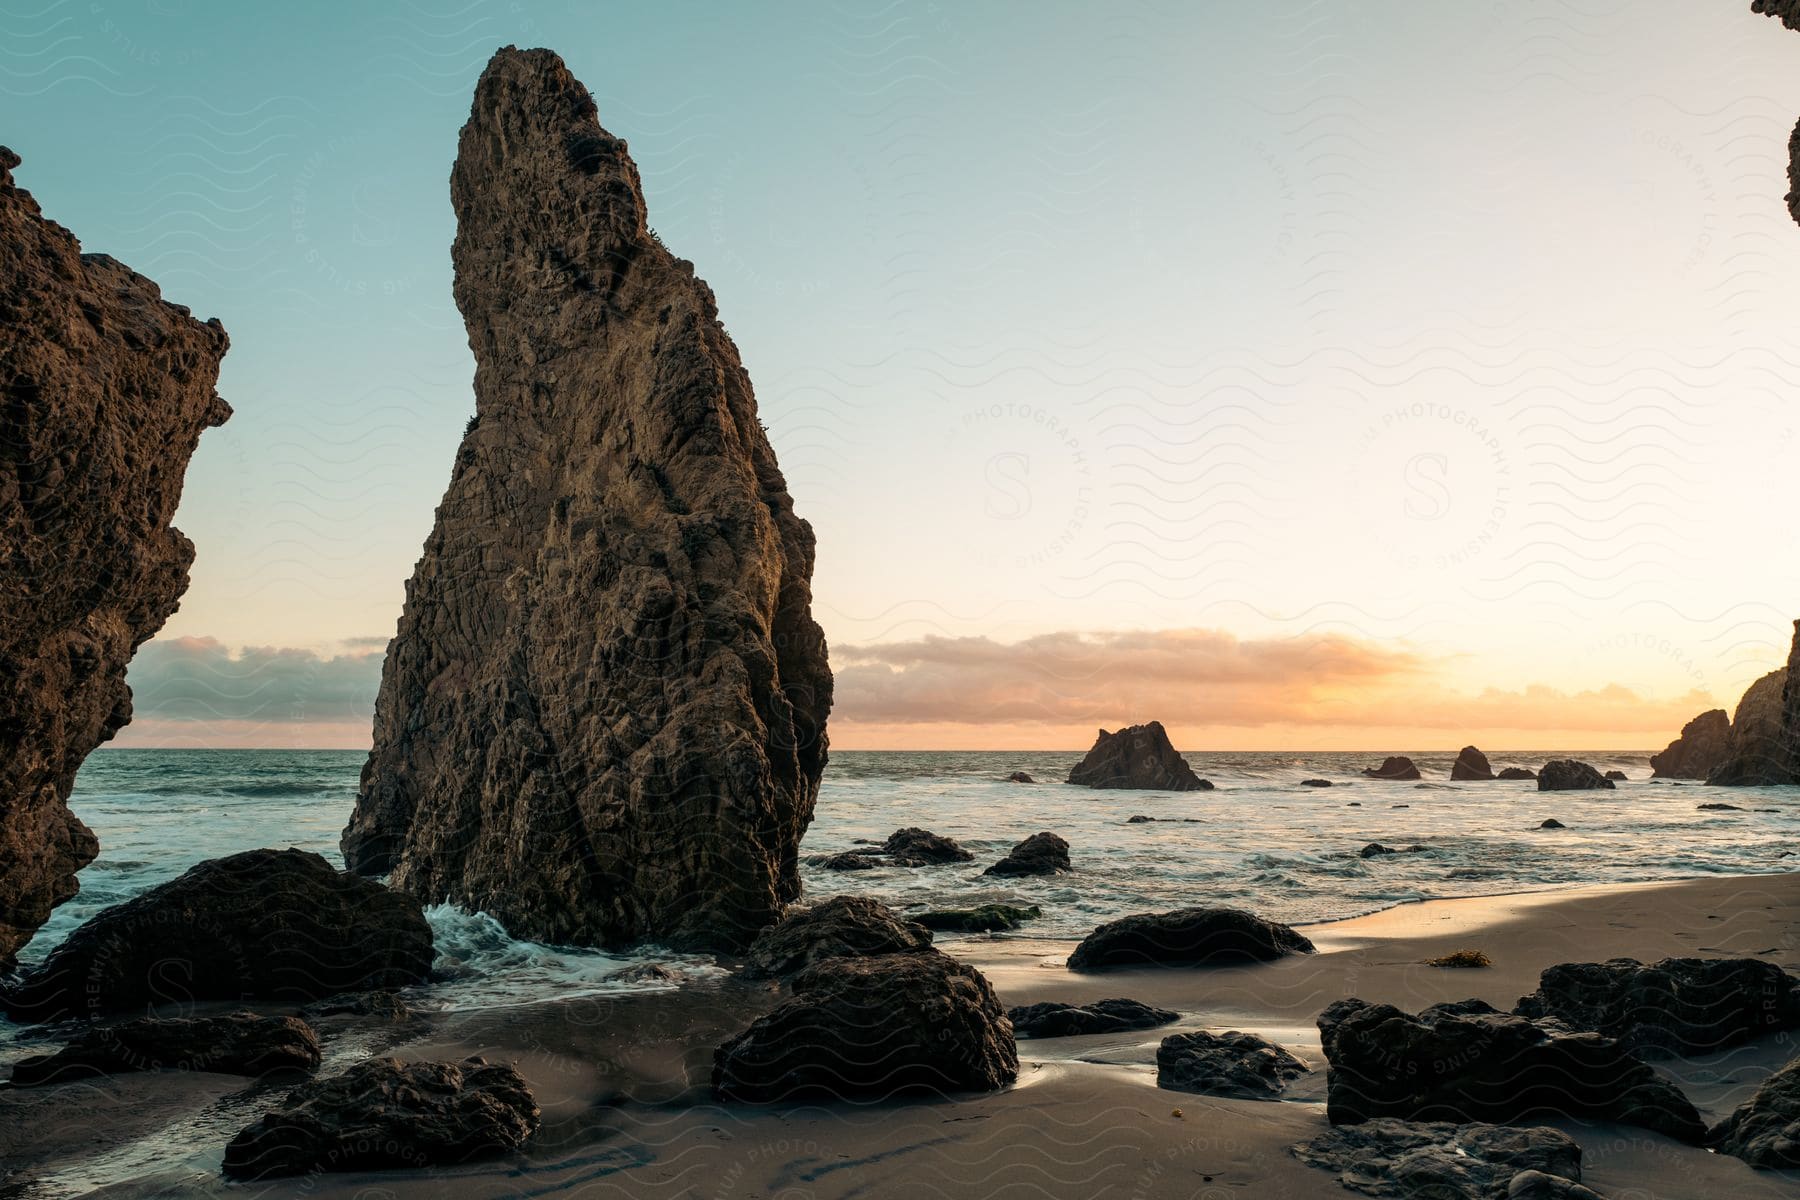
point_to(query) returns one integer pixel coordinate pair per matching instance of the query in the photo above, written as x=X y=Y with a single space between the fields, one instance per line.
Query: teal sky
x=1456 y=339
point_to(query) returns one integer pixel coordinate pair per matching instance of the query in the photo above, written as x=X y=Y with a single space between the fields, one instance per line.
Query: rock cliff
x=1705 y=742
x=105 y=389
x=603 y=716
x=1765 y=732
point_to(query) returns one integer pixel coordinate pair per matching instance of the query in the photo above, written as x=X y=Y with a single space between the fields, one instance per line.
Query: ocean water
x=1260 y=840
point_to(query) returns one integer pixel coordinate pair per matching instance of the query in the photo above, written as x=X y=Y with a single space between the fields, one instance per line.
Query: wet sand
x=622 y=1081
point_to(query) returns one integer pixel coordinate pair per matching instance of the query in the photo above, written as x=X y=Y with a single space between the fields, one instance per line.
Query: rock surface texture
x=841 y=927
x=1684 y=1006
x=1704 y=744
x=260 y=925
x=1139 y=757
x=1765 y=1130
x=1240 y=1065
x=1567 y=775
x=1471 y=764
x=873 y=1028
x=1437 y=1160
x=1765 y=733
x=1186 y=937
x=1050 y=1019
x=1469 y=1062
x=235 y=1044
x=602 y=719
x=105 y=389
x=386 y=1114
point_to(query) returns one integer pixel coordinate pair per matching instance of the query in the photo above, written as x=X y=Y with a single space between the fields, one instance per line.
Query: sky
x=1383 y=376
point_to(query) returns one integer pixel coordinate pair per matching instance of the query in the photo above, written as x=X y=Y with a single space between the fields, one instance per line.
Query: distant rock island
x=107 y=388
x=1139 y=757
x=603 y=717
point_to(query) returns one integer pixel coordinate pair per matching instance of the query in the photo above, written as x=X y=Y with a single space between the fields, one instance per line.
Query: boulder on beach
x=843 y=926
x=259 y=925
x=1398 y=768
x=1440 y=1160
x=1678 y=1006
x=1764 y=1131
x=873 y=1028
x=1139 y=757
x=1468 y=1061
x=1567 y=775
x=107 y=388
x=1052 y=1020
x=602 y=716
x=1765 y=732
x=1039 y=854
x=1705 y=742
x=385 y=1114
x=1186 y=937
x=1471 y=764
x=913 y=847
x=983 y=918
x=1516 y=773
x=240 y=1043
x=1239 y=1065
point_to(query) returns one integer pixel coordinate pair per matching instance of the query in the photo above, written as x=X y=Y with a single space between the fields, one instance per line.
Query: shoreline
x=623 y=1080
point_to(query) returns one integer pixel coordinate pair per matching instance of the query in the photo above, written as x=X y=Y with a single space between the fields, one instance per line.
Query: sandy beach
x=628 y=1112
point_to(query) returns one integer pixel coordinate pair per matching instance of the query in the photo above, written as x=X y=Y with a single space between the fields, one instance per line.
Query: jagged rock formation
x=603 y=717
x=1764 y=1131
x=385 y=1114
x=1444 y=1161
x=1140 y=758
x=1396 y=767
x=1765 y=733
x=1705 y=742
x=1686 y=1006
x=1470 y=1062
x=240 y=1043
x=874 y=1028
x=105 y=389
x=263 y=924
x=1471 y=764
x=1186 y=937
x=1568 y=775
x=1240 y=1065
x=1050 y=1019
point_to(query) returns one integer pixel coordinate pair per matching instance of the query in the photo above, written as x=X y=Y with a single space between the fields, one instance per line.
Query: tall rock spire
x=603 y=717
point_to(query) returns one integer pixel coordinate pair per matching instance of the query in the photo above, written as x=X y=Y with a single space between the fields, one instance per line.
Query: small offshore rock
x=1397 y=767
x=240 y=1043
x=841 y=926
x=1552 y=823
x=1618 y=776
x=1567 y=775
x=1471 y=764
x=1716 y=807
x=1516 y=773
x=914 y=847
x=1239 y=1065
x=1315 y=783
x=1052 y=1020
x=385 y=1114
x=1020 y=777
x=1039 y=854
x=848 y=860
x=985 y=918
x=1186 y=937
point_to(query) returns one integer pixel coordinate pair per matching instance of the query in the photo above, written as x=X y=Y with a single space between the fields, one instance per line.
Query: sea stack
x=602 y=719
x=1704 y=744
x=107 y=388
x=1140 y=757
x=1471 y=765
x=1765 y=733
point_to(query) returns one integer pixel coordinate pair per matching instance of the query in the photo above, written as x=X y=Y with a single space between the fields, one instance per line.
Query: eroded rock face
x=1186 y=937
x=873 y=1028
x=1445 y=1161
x=1235 y=1064
x=1469 y=1062
x=105 y=389
x=1684 y=1006
x=235 y=1044
x=1765 y=1131
x=1765 y=732
x=387 y=1114
x=1471 y=764
x=602 y=719
x=843 y=926
x=1139 y=757
x=1396 y=767
x=1567 y=775
x=1705 y=742
x=263 y=924
x=1051 y=1020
